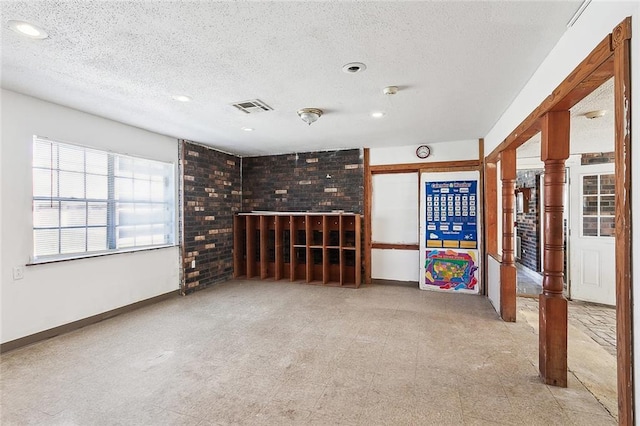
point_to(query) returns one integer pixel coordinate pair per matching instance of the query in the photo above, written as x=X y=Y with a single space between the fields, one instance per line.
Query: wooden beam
x=624 y=297
x=415 y=167
x=279 y=274
x=251 y=248
x=237 y=247
x=367 y=216
x=553 y=305
x=508 y=273
x=491 y=207
x=389 y=246
x=482 y=246
x=264 y=239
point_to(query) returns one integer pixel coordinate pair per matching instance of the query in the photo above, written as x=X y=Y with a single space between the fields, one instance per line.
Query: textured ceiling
x=586 y=135
x=458 y=66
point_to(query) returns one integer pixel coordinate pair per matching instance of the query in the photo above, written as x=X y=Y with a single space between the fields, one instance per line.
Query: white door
x=592 y=237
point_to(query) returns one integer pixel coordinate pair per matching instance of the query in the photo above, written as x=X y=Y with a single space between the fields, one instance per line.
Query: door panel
x=592 y=259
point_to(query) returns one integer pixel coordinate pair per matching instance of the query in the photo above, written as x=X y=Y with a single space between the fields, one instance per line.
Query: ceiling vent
x=253 y=106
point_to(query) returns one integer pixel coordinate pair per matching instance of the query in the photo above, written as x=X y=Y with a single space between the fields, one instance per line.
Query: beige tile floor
x=266 y=353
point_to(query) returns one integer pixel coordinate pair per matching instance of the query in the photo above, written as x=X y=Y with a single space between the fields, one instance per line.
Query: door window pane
x=598 y=205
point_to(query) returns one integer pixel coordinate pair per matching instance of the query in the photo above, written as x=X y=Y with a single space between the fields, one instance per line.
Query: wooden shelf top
x=267 y=213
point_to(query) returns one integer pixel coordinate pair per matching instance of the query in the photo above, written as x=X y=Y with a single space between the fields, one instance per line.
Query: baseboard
x=65 y=328
x=380 y=281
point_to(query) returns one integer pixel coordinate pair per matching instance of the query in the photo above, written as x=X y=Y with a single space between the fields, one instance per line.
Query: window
x=598 y=205
x=90 y=201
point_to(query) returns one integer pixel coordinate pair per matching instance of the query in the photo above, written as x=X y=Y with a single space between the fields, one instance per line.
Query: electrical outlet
x=18 y=272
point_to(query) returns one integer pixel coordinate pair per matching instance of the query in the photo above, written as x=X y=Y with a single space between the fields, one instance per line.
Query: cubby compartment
x=317 y=248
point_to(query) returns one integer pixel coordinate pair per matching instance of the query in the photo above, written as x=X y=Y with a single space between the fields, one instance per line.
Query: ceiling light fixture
x=354 y=67
x=29 y=30
x=390 y=90
x=595 y=114
x=309 y=115
x=247 y=129
x=377 y=114
x=181 y=98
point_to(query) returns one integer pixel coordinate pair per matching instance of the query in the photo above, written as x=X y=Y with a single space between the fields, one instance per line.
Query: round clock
x=423 y=151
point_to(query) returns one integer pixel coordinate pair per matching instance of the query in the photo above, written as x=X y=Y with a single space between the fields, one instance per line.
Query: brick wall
x=310 y=181
x=529 y=221
x=598 y=158
x=210 y=194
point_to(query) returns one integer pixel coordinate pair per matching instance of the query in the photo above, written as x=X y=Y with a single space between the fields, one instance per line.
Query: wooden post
x=367 y=216
x=508 y=265
x=491 y=207
x=553 y=305
x=620 y=41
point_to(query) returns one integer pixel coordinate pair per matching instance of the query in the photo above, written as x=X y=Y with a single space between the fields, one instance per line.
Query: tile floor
x=267 y=353
x=596 y=321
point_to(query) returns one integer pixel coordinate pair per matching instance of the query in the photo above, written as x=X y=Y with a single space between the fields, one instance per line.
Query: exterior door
x=592 y=238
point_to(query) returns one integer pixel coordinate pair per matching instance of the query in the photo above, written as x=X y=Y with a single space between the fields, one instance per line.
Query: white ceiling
x=586 y=135
x=458 y=66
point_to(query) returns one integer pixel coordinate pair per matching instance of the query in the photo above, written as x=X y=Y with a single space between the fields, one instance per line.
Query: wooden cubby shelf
x=316 y=248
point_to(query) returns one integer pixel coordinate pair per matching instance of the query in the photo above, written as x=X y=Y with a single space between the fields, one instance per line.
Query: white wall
x=440 y=151
x=493 y=283
x=394 y=208
x=58 y=293
x=596 y=22
x=403 y=265
x=395 y=265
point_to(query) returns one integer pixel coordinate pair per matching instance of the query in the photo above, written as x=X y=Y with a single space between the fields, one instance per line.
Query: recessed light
x=354 y=67
x=29 y=30
x=247 y=129
x=181 y=98
x=377 y=114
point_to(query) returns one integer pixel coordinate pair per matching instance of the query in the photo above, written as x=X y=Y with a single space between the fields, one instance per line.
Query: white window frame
x=112 y=202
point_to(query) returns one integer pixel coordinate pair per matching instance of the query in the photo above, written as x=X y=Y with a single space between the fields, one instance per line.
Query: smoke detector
x=390 y=90
x=354 y=67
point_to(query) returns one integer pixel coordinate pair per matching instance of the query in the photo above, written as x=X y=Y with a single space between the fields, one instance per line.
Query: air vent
x=253 y=106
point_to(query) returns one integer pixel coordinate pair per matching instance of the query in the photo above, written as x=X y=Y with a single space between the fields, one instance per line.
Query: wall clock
x=423 y=151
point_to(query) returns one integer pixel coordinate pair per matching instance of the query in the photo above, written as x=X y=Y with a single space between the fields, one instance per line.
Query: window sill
x=57 y=259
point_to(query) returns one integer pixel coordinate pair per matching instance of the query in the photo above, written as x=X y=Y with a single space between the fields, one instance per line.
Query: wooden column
x=553 y=305
x=367 y=193
x=508 y=265
x=491 y=207
x=621 y=45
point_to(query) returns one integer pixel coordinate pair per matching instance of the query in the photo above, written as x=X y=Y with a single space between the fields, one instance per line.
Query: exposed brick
x=598 y=158
x=304 y=177
x=529 y=221
x=210 y=195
